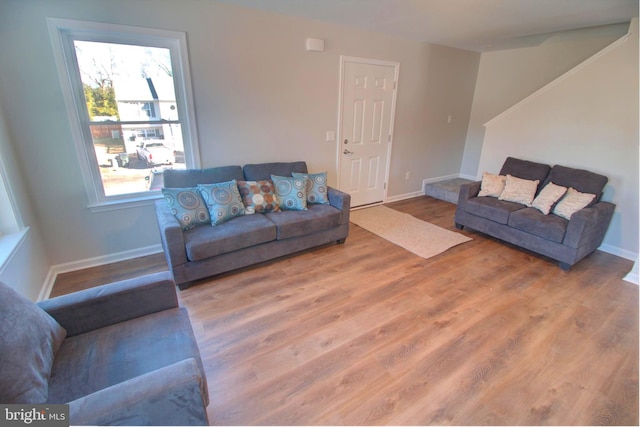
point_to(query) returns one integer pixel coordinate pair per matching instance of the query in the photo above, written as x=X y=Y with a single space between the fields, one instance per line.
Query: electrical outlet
x=407 y=176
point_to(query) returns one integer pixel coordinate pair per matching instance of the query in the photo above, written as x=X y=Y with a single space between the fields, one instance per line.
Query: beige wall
x=586 y=119
x=506 y=77
x=259 y=96
x=28 y=265
x=262 y=97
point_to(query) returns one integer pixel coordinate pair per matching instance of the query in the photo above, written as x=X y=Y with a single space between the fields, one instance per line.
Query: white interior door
x=367 y=106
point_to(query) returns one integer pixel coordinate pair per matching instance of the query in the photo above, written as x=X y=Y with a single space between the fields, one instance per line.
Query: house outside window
x=149 y=109
x=130 y=105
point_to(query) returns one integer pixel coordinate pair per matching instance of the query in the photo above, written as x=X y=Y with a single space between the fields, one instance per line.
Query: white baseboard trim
x=424 y=182
x=404 y=196
x=470 y=177
x=47 y=287
x=632 y=278
x=622 y=253
x=440 y=178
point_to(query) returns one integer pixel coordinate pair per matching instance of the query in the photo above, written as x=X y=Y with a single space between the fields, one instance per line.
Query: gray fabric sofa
x=118 y=354
x=566 y=241
x=248 y=239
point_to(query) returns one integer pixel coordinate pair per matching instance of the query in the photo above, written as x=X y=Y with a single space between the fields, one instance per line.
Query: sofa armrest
x=589 y=225
x=105 y=305
x=340 y=200
x=173 y=395
x=468 y=191
x=171 y=235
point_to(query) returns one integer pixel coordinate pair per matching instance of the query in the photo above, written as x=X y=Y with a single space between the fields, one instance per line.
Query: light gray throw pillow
x=549 y=195
x=519 y=190
x=29 y=340
x=572 y=202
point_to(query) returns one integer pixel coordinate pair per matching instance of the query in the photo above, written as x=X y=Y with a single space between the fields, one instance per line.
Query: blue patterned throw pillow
x=316 y=187
x=223 y=200
x=291 y=192
x=187 y=206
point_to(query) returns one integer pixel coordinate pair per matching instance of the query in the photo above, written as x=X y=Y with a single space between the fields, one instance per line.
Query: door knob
x=347 y=151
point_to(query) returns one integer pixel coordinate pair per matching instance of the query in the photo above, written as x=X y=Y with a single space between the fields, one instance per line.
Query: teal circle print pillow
x=223 y=200
x=187 y=206
x=316 y=187
x=291 y=192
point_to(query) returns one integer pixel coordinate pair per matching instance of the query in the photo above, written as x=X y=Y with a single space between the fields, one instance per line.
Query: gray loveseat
x=205 y=251
x=118 y=354
x=564 y=240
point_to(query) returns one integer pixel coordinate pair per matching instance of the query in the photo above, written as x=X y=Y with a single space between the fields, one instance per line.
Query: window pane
x=124 y=84
x=134 y=165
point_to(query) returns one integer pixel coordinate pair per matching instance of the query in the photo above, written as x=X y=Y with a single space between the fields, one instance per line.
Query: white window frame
x=13 y=231
x=63 y=33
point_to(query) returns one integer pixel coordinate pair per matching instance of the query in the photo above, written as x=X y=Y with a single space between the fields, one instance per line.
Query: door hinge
x=385 y=185
x=395 y=85
x=388 y=138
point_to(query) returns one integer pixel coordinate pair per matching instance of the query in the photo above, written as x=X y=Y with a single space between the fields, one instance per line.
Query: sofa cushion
x=30 y=339
x=519 y=190
x=532 y=221
x=263 y=171
x=572 y=202
x=492 y=208
x=299 y=223
x=182 y=178
x=525 y=169
x=316 y=187
x=237 y=233
x=549 y=195
x=292 y=192
x=187 y=206
x=492 y=185
x=103 y=357
x=579 y=179
x=258 y=196
x=223 y=200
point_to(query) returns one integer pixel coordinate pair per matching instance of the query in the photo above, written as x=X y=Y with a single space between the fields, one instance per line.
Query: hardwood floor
x=368 y=333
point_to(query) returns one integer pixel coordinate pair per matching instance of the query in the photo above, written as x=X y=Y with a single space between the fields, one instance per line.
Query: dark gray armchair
x=118 y=354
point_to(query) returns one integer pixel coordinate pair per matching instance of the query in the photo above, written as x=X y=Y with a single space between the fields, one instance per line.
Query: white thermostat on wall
x=315 y=45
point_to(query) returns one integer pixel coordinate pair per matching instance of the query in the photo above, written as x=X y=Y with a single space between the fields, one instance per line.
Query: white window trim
x=13 y=232
x=9 y=246
x=11 y=221
x=60 y=32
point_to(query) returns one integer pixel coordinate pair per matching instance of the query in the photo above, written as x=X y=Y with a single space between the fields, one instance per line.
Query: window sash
x=63 y=33
x=136 y=122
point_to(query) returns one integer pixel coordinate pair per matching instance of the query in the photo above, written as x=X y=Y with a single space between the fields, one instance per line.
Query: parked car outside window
x=155 y=153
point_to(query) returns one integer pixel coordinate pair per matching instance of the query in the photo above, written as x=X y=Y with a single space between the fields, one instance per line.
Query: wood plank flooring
x=366 y=333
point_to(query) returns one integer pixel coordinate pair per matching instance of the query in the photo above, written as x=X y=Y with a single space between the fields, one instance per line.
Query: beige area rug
x=417 y=236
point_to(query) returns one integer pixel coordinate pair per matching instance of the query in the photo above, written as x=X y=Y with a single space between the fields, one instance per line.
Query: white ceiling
x=477 y=25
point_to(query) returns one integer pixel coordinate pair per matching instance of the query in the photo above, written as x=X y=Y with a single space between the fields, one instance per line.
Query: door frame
x=354 y=59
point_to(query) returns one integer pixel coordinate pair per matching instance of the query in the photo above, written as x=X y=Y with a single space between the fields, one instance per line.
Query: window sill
x=9 y=245
x=125 y=204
